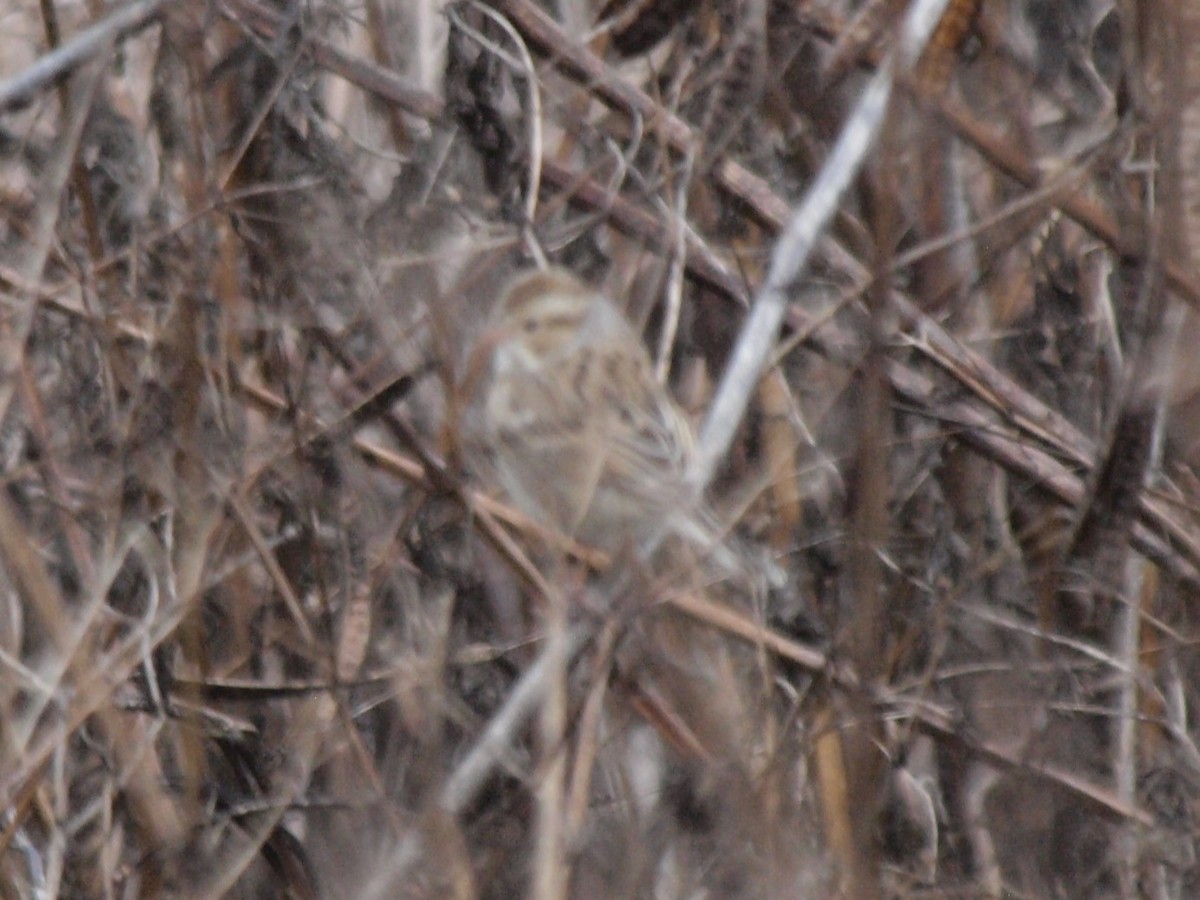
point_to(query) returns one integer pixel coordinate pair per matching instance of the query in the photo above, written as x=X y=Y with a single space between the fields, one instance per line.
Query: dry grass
x=267 y=628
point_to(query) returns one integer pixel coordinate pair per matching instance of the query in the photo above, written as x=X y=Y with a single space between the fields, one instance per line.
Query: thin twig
x=795 y=245
x=57 y=173
x=666 y=340
x=87 y=44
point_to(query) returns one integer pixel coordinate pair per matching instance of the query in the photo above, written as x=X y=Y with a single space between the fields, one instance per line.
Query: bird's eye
x=531 y=325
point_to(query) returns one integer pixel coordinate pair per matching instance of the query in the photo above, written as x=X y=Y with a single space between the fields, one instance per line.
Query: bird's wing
x=650 y=441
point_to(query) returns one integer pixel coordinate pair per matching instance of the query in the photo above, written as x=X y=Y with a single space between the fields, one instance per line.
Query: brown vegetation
x=269 y=628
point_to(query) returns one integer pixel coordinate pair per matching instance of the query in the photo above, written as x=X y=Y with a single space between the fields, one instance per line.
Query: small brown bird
x=584 y=437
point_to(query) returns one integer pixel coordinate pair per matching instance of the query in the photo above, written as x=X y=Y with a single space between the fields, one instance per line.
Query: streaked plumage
x=583 y=435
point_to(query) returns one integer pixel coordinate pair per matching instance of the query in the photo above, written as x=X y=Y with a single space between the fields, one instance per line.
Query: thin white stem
x=796 y=243
x=670 y=326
